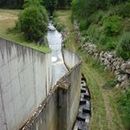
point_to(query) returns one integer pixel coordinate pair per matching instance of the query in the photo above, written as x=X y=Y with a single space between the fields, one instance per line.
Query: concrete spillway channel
x=59 y=69
x=84 y=114
x=55 y=43
x=41 y=91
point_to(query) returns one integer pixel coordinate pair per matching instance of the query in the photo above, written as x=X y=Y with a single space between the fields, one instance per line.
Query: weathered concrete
x=63 y=110
x=46 y=116
x=69 y=99
x=70 y=59
x=25 y=81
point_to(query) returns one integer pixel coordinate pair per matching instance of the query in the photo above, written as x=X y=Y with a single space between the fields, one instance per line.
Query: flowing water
x=55 y=43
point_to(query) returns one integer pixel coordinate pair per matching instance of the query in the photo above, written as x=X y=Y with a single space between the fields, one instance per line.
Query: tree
x=84 y=8
x=11 y=3
x=64 y=3
x=50 y=5
x=33 y=21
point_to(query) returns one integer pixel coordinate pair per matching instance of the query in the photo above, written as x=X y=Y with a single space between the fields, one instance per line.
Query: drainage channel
x=84 y=113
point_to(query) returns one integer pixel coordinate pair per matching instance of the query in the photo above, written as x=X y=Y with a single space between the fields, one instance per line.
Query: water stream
x=55 y=43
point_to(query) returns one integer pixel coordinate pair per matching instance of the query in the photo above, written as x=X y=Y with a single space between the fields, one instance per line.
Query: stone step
x=85 y=108
x=86 y=96
x=83 y=83
x=80 y=125
x=83 y=90
x=84 y=117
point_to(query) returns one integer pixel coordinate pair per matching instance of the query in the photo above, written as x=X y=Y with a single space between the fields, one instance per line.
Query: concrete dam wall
x=28 y=99
x=25 y=76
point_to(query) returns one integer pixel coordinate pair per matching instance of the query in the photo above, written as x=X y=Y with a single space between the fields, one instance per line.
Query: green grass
x=8 y=20
x=105 y=115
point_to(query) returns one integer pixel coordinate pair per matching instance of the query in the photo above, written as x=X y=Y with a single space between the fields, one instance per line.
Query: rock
x=106 y=62
x=128 y=65
x=125 y=84
x=117 y=66
x=127 y=71
x=118 y=85
x=123 y=66
x=117 y=73
x=122 y=77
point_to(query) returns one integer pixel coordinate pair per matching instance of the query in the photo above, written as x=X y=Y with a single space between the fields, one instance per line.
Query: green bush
x=114 y=2
x=124 y=108
x=33 y=22
x=83 y=24
x=112 y=25
x=107 y=42
x=124 y=10
x=96 y=17
x=123 y=48
x=93 y=33
x=84 y=8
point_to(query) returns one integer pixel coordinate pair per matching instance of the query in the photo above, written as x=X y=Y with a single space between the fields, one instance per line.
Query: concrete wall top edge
x=22 y=45
x=36 y=112
x=71 y=59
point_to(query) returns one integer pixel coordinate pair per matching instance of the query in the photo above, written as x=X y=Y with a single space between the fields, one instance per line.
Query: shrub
x=84 y=8
x=83 y=24
x=114 y=2
x=107 y=42
x=111 y=44
x=123 y=48
x=96 y=17
x=112 y=25
x=124 y=10
x=93 y=33
x=124 y=108
x=33 y=23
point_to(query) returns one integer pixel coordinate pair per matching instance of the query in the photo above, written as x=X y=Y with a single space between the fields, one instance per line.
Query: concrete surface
x=25 y=81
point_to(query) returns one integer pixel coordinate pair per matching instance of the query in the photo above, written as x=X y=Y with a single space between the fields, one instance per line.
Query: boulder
x=127 y=71
x=123 y=66
x=125 y=84
x=122 y=77
x=128 y=65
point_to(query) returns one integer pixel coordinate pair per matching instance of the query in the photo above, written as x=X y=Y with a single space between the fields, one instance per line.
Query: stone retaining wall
x=118 y=66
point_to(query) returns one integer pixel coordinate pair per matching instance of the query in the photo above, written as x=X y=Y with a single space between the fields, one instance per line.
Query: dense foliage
x=63 y=4
x=11 y=3
x=123 y=48
x=33 y=21
x=50 y=5
x=105 y=23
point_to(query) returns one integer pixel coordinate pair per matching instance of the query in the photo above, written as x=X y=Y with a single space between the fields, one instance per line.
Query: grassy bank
x=105 y=115
x=8 y=20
